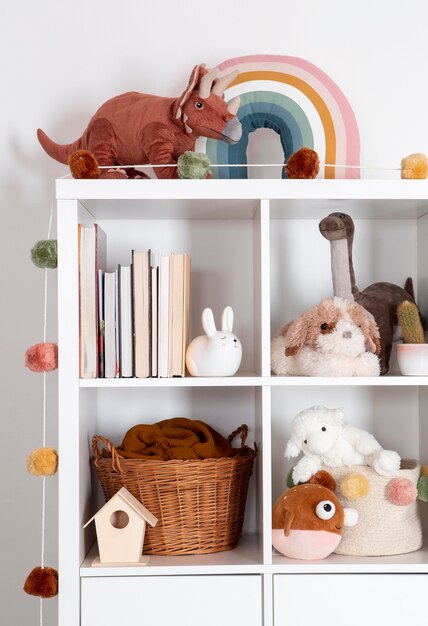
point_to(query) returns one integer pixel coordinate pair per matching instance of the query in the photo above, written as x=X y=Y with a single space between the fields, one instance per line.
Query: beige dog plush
x=335 y=338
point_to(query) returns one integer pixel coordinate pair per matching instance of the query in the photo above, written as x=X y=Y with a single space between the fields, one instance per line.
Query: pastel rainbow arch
x=298 y=101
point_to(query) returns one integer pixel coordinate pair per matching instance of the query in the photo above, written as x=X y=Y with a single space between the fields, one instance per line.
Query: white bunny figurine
x=219 y=352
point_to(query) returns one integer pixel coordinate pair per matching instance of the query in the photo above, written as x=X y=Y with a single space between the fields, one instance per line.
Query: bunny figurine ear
x=208 y=323
x=227 y=319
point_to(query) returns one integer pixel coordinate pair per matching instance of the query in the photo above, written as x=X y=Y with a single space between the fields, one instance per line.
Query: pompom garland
x=193 y=165
x=83 y=164
x=303 y=164
x=44 y=254
x=42 y=462
x=401 y=491
x=414 y=166
x=42 y=357
x=42 y=582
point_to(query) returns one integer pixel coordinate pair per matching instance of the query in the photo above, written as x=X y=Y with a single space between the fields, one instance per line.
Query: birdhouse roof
x=123 y=494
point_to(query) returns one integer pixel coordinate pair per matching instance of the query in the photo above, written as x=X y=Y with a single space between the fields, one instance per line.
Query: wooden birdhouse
x=120 y=526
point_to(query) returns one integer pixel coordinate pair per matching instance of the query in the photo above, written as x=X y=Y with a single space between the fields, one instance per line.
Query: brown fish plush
x=308 y=520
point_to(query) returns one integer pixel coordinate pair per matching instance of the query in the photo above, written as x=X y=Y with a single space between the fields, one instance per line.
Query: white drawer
x=177 y=600
x=351 y=599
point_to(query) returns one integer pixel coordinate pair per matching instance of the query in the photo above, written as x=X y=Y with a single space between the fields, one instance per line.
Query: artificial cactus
x=410 y=322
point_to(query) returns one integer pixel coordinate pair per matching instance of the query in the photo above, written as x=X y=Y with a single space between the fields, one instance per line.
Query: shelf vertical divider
x=266 y=460
x=265 y=284
x=69 y=524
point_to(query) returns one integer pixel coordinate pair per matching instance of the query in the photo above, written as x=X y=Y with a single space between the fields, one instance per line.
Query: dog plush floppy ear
x=291 y=450
x=373 y=337
x=296 y=336
x=369 y=328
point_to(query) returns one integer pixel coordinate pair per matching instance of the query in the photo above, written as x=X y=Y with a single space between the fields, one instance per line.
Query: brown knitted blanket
x=176 y=438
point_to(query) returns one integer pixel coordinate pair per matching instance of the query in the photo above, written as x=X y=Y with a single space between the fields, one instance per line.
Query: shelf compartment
x=245 y=558
x=412 y=562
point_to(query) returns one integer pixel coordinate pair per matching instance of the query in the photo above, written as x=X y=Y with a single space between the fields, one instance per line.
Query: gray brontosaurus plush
x=380 y=299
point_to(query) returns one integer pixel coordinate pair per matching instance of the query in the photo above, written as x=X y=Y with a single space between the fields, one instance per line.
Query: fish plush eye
x=199 y=105
x=325 y=509
x=323 y=429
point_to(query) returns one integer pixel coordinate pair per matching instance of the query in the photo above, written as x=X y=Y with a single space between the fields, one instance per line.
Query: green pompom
x=193 y=165
x=290 y=481
x=423 y=488
x=44 y=253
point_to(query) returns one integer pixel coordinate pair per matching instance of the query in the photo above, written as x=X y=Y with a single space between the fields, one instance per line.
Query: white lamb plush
x=325 y=439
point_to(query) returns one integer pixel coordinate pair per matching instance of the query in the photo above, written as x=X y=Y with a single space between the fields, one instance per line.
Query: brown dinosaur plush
x=137 y=128
x=380 y=299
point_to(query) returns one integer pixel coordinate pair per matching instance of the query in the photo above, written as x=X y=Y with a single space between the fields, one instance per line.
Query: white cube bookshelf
x=255 y=245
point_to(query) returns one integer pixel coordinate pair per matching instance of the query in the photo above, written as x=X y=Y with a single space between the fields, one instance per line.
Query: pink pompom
x=401 y=491
x=42 y=357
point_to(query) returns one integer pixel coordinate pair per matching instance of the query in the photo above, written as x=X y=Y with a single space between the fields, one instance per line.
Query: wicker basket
x=200 y=504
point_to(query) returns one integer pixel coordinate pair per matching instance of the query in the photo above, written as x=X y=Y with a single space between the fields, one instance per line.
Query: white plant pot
x=413 y=358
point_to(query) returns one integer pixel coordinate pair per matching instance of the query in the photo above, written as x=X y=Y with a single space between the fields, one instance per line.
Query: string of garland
x=303 y=164
x=42 y=462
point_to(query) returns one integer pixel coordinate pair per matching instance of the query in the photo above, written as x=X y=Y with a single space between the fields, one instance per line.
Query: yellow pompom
x=354 y=486
x=42 y=462
x=414 y=166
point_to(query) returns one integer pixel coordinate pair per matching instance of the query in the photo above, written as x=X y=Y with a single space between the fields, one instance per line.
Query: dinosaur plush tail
x=408 y=286
x=57 y=151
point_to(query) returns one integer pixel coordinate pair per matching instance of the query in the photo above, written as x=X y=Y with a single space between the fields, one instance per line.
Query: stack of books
x=134 y=321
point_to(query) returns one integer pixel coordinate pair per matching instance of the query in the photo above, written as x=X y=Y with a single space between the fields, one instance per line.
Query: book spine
x=101 y=322
x=116 y=324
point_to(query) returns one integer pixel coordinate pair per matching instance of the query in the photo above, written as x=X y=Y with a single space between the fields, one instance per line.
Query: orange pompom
x=83 y=164
x=42 y=357
x=43 y=582
x=42 y=462
x=414 y=166
x=303 y=164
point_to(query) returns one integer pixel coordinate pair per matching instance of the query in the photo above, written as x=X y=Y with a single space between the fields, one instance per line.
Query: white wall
x=60 y=61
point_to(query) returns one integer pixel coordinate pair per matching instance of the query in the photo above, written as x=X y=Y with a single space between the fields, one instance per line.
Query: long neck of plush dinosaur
x=342 y=269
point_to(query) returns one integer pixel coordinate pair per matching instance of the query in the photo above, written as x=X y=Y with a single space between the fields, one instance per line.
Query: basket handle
x=111 y=451
x=242 y=431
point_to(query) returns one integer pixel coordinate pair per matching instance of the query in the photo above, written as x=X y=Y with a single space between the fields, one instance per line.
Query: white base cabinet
x=172 y=600
x=254 y=245
x=350 y=599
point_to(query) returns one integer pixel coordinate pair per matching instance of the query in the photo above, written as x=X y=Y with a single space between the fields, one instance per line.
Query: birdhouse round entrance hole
x=119 y=519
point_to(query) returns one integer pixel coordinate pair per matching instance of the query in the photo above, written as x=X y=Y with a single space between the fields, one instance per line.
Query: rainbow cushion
x=298 y=101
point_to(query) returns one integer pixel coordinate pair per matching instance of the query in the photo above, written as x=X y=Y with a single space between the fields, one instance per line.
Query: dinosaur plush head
x=202 y=110
x=337 y=226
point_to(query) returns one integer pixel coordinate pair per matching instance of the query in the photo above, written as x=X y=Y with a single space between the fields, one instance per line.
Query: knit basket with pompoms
x=389 y=521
